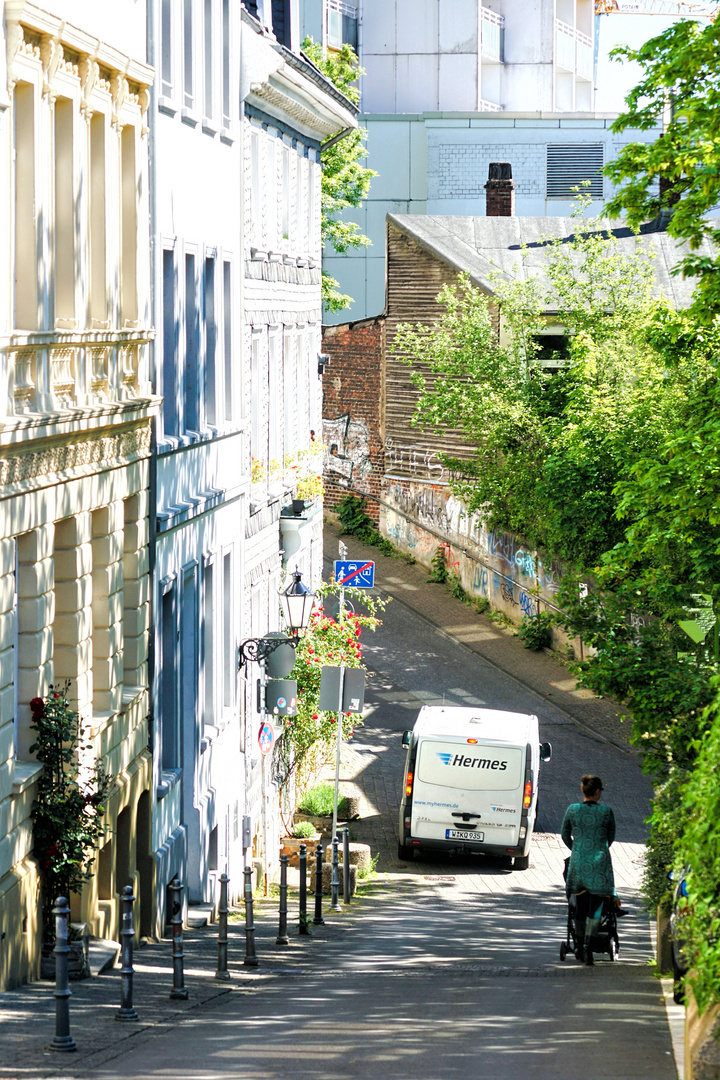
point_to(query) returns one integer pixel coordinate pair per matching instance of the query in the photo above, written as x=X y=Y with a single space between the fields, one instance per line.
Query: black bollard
x=335 y=881
x=126 y=1010
x=222 y=968
x=282 y=938
x=346 y=865
x=303 y=927
x=318 y=920
x=63 y=1039
x=251 y=959
x=179 y=989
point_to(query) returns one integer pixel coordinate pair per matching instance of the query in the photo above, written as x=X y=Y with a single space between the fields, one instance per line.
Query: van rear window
x=475 y=768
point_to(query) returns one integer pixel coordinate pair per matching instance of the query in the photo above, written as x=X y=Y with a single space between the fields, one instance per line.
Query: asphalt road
x=446 y=968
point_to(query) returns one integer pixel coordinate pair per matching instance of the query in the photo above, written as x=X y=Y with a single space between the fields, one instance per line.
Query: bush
x=535 y=631
x=318 y=801
x=482 y=604
x=438 y=566
x=303 y=829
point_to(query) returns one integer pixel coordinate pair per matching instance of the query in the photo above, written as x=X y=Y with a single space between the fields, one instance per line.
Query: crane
x=680 y=8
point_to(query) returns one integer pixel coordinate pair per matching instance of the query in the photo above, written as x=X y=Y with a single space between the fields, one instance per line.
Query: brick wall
x=353 y=389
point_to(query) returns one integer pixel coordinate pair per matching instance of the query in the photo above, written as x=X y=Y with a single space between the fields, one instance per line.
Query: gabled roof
x=483 y=246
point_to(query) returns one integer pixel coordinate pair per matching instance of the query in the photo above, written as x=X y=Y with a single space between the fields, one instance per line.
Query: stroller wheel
x=563 y=950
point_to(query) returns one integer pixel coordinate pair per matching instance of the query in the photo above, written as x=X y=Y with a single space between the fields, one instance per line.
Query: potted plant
x=68 y=811
x=304 y=832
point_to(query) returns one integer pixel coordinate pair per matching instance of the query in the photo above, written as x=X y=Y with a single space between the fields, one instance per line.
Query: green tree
x=678 y=172
x=345 y=180
x=546 y=451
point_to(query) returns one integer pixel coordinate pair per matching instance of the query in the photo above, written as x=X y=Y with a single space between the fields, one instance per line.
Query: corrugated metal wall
x=415 y=277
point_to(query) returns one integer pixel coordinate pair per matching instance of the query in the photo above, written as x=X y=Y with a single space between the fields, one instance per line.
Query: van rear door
x=467 y=793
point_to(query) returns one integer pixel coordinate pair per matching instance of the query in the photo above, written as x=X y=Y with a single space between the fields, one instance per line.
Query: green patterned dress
x=588 y=829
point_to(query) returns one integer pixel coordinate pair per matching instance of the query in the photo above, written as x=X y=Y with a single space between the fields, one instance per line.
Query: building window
x=210 y=343
x=26 y=254
x=188 y=82
x=190 y=380
x=227 y=339
x=289 y=391
x=258 y=391
x=271 y=194
x=275 y=434
x=169 y=346
x=208 y=43
x=208 y=645
x=286 y=193
x=168 y=683
x=166 y=47
x=189 y=657
x=568 y=166
x=226 y=63
x=228 y=653
x=98 y=271
x=64 y=214
x=256 y=208
x=129 y=228
x=342 y=27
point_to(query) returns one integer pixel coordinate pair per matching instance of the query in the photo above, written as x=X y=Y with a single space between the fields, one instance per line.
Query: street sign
x=358 y=574
x=266 y=737
x=353 y=690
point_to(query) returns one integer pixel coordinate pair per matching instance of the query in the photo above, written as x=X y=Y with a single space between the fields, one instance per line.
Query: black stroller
x=605 y=940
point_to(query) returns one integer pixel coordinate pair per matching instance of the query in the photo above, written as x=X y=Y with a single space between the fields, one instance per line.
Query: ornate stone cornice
x=32 y=468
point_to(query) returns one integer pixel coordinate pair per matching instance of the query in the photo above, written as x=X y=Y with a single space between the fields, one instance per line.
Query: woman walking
x=588 y=829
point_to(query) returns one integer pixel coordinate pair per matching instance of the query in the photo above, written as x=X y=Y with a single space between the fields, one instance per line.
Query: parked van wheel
x=521 y=862
x=405 y=853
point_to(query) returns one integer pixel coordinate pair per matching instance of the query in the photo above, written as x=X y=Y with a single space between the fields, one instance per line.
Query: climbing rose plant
x=308 y=738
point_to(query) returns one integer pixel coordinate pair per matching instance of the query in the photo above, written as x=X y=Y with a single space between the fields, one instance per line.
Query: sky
x=615 y=79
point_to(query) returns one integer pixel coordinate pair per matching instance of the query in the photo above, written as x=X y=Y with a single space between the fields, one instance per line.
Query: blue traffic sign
x=358 y=574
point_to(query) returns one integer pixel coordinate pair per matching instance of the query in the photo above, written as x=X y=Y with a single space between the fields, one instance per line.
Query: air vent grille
x=568 y=166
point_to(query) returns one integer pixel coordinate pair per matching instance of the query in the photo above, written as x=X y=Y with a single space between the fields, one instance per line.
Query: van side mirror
x=407 y=738
x=545 y=751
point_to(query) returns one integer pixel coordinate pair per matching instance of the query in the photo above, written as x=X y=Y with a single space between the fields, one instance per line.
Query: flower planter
x=290 y=846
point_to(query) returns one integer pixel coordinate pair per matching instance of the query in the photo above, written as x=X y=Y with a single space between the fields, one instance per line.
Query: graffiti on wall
x=413 y=459
x=347 y=452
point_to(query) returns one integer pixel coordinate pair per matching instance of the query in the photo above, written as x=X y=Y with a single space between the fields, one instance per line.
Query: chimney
x=500 y=190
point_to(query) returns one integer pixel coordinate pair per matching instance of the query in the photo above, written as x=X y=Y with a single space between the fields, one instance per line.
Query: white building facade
x=453 y=85
x=238 y=118
x=77 y=412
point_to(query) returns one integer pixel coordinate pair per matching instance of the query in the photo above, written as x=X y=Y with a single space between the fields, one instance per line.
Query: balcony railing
x=574 y=50
x=49 y=373
x=488 y=106
x=341 y=24
x=492 y=36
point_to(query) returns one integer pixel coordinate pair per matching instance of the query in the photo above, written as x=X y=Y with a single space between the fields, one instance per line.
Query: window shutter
x=568 y=166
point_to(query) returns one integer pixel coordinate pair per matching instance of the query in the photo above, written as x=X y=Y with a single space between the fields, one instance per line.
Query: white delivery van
x=471 y=782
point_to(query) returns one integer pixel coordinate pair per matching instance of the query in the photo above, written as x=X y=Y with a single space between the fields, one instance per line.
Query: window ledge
x=227 y=136
x=167 y=105
x=189 y=116
x=169 y=778
x=209 y=126
x=26 y=773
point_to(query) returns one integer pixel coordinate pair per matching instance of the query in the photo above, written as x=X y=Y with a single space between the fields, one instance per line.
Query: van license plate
x=464 y=834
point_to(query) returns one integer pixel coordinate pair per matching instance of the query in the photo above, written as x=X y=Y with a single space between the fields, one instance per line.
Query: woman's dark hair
x=590 y=785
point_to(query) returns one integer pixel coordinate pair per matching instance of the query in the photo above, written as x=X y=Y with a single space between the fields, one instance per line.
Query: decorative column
x=36 y=610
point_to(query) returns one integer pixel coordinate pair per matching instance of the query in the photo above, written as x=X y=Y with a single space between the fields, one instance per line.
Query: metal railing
x=574 y=50
x=492 y=36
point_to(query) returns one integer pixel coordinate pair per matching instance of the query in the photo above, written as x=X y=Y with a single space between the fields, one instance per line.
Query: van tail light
x=408 y=785
x=527 y=797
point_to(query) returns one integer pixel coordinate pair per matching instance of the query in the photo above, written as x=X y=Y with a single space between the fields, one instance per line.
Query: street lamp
x=297 y=604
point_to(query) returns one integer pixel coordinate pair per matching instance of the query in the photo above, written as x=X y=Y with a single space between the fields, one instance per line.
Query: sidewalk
x=27 y=1015
x=542 y=671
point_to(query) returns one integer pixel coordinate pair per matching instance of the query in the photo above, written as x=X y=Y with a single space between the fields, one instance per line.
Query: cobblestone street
x=440 y=969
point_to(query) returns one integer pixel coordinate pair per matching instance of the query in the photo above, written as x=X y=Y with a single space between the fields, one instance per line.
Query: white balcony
x=488 y=106
x=573 y=50
x=56 y=372
x=492 y=37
